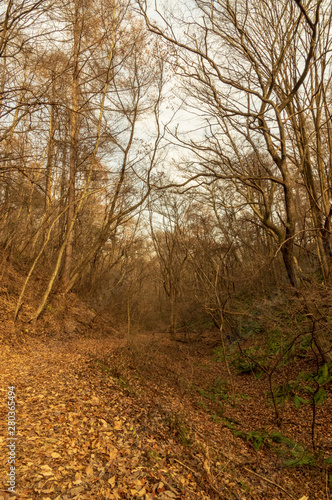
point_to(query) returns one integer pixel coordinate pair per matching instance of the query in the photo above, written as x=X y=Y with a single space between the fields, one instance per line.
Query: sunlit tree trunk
x=68 y=254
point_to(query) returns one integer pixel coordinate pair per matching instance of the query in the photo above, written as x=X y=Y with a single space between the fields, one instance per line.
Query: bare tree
x=171 y=252
x=247 y=66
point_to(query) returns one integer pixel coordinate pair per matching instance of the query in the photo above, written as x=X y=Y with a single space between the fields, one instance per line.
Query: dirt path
x=83 y=430
x=77 y=432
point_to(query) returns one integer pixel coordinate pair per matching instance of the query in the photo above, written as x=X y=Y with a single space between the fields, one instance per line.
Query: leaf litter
x=77 y=432
x=86 y=433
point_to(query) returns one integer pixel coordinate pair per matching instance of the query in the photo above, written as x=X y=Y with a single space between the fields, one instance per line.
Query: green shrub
x=245 y=363
x=216 y=392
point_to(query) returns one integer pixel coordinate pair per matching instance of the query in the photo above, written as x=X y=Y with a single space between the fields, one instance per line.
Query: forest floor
x=90 y=425
x=106 y=416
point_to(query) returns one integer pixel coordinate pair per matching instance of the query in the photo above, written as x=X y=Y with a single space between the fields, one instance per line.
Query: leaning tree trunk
x=290 y=264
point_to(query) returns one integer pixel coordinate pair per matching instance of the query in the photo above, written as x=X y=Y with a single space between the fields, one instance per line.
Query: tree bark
x=68 y=254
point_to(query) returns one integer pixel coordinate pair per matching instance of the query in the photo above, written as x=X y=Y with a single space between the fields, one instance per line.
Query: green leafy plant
x=178 y=426
x=219 y=356
x=304 y=346
x=314 y=394
x=216 y=392
x=125 y=384
x=274 y=341
x=284 y=392
x=132 y=430
x=277 y=437
x=297 y=400
x=322 y=377
x=220 y=388
x=245 y=363
x=153 y=455
x=102 y=366
x=251 y=328
x=231 y=424
x=202 y=405
x=205 y=394
x=294 y=454
x=257 y=438
x=300 y=457
x=278 y=343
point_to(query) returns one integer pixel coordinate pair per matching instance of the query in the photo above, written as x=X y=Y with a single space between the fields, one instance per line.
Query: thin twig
x=222 y=470
x=169 y=486
x=271 y=482
x=184 y=465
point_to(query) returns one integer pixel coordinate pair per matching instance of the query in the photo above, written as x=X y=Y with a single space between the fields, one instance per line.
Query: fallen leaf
x=160 y=487
x=89 y=470
x=76 y=491
x=48 y=490
x=112 y=481
x=46 y=467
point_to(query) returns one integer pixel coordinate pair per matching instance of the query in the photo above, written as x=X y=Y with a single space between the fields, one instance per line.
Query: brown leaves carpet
x=83 y=432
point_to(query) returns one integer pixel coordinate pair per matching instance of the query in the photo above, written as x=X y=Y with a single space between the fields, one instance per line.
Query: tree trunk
x=324 y=346
x=68 y=254
x=172 y=300
x=290 y=264
x=50 y=151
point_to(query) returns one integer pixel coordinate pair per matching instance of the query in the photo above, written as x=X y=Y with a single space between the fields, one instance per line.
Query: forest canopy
x=165 y=165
